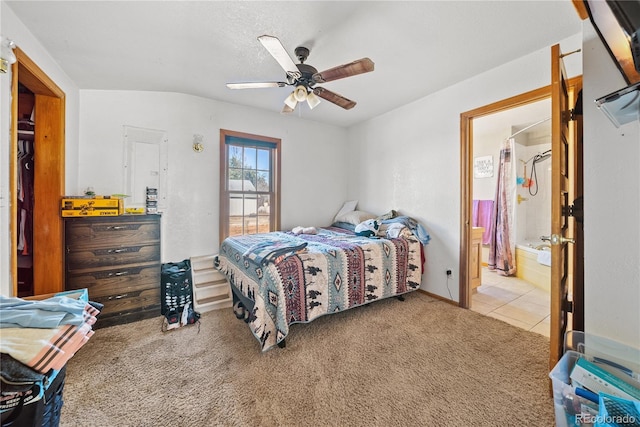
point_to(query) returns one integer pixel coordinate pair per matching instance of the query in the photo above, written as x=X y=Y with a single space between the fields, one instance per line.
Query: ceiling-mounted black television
x=617 y=22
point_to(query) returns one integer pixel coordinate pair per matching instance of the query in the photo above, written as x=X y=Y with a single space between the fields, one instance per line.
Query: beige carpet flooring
x=421 y=362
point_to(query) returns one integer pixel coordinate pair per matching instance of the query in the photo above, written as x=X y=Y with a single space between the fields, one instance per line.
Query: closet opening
x=25 y=198
x=37 y=179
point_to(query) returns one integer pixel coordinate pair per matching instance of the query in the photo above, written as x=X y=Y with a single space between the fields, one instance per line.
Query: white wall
x=534 y=214
x=14 y=29
x=313 y=161
x=612 y=204
x=488 y=144
x=408 y=159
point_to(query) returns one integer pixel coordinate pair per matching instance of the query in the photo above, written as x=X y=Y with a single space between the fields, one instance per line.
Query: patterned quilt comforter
x=296 y=278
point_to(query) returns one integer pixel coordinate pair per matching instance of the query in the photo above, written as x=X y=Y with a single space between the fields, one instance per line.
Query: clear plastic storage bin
x=570 y=409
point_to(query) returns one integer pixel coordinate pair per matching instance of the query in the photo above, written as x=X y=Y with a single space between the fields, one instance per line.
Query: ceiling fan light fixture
x=300 y=93
x=312 y=100
x=286 y=109
x=291 y=101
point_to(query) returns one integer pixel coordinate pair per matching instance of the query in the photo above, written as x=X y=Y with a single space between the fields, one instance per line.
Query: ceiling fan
x=304 y=77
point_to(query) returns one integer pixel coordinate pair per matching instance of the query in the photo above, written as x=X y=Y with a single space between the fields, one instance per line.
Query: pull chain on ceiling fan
x=304 y=77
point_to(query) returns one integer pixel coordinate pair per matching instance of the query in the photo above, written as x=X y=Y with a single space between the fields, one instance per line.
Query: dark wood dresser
x=118 y=260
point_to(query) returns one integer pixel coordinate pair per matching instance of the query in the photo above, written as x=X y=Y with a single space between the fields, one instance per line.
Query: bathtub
x=527 y=266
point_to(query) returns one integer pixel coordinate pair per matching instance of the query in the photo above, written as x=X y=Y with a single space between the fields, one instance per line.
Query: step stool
x=211 y=290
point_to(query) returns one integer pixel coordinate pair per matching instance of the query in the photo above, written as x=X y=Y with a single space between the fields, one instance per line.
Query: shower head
x=541 y=157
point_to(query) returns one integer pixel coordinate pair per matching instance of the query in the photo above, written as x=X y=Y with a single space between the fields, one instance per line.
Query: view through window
x=249 y=184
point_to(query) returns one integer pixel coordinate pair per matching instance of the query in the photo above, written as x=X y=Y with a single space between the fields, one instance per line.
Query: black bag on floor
x=176 y=287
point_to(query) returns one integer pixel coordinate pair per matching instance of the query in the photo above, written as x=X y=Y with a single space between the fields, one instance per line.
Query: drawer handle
x=119 y=273
x=116 y=251
x=116 y=227
x=118 y=296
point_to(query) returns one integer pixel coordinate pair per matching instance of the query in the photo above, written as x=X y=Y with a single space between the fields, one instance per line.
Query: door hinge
x=575 y=210
x=567 y=306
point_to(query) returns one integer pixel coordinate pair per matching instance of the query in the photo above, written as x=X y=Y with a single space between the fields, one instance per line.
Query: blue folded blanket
x=275 y=245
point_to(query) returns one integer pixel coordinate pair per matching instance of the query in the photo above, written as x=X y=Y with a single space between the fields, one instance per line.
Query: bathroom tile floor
x=514 y=301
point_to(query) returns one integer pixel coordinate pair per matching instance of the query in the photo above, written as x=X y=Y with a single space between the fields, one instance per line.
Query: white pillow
x=347 y=207
x=355 y=217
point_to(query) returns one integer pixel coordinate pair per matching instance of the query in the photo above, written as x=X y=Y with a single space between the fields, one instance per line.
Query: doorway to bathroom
x=566 y=310
x=566 y=234
x=513 y=286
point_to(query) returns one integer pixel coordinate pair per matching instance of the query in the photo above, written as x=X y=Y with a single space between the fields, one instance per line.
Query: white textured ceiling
x=195 y=47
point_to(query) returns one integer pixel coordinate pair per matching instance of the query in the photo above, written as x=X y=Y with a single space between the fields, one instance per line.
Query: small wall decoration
x=483 y=167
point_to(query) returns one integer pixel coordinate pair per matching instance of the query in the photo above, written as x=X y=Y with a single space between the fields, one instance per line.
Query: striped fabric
x=45 y=348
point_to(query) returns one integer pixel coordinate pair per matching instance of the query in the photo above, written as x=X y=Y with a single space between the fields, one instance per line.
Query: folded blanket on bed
x=263 y=252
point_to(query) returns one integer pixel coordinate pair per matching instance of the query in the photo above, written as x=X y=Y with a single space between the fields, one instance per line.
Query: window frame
x=274 y=212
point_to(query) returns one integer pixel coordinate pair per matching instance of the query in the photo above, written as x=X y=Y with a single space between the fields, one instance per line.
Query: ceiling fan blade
x=360 y=66
x=255 y=85
x=279 y=53
x=333 y=97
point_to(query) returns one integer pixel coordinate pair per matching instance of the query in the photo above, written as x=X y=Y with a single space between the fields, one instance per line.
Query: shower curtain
x=501 y=248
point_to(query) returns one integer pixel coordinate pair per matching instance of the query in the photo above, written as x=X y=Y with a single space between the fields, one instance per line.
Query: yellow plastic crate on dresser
x=211 y=290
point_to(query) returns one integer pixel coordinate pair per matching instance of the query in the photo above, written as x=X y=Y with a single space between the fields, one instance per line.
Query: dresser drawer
x=79 y=259
x=116 y=282
x=86 y=233
x=133 y=301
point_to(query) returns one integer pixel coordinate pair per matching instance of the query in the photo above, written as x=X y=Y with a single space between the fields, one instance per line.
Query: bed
x=282 y=278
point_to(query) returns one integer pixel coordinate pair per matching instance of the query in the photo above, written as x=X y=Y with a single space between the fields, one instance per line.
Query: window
x=249 y=184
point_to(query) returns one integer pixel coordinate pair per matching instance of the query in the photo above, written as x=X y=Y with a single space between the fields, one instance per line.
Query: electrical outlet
x=449 y=273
